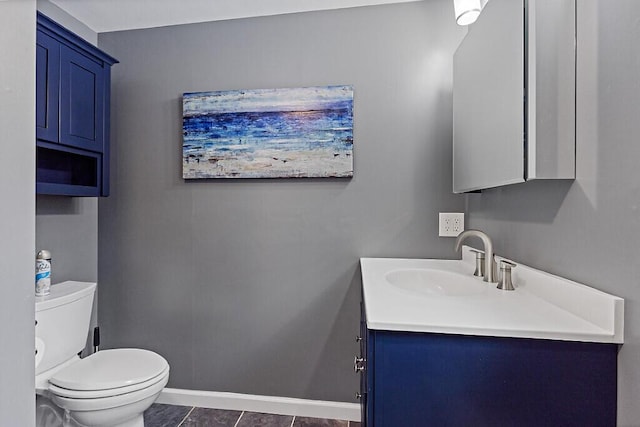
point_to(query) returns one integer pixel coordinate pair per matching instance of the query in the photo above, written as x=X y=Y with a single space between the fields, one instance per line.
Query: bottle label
x=43 y=276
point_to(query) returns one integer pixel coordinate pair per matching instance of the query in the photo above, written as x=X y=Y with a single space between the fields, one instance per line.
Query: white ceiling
x=114 y=15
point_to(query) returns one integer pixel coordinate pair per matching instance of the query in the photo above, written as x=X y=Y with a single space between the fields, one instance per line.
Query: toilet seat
x=96 y=394
x=103 y=403
x=109 y=373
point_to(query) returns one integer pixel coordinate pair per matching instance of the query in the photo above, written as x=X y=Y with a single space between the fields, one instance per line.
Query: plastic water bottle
x=43 y=273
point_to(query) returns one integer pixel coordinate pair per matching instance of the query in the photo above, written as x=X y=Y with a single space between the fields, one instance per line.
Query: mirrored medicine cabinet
x=514 y=95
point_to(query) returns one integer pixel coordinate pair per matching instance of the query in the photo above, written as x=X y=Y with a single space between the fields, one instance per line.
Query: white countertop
x=542 y=306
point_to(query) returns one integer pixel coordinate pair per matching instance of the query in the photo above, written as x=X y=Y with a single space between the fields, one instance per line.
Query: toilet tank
x=62 y=323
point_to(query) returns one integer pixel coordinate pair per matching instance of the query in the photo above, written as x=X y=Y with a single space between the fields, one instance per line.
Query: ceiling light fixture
x=467 y=11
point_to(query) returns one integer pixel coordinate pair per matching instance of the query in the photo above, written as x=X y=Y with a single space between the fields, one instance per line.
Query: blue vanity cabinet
x=361 y=366
x=72 y=113
x=428 y=379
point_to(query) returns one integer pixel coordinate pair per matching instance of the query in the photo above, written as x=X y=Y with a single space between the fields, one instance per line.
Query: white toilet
x=108 y=388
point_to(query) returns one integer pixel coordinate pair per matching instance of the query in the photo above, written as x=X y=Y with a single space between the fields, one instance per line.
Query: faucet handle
x=505 y=275
x=479 y=262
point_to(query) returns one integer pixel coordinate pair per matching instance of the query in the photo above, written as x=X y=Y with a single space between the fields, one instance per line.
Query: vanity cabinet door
x=47 y=91
x=424 y=379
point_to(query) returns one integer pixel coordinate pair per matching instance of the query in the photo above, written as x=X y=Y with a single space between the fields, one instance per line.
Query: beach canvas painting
x=268 y=133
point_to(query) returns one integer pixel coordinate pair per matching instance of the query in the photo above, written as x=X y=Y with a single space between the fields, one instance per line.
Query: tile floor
x=159 y=415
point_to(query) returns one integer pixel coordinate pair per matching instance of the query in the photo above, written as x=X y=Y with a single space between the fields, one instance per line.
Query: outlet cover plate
x=450 y=224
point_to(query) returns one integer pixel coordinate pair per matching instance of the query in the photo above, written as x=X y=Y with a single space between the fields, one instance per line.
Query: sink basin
x=443 y=296
x=431 y=282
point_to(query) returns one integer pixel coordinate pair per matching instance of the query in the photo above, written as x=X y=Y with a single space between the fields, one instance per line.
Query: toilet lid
x=110 y=369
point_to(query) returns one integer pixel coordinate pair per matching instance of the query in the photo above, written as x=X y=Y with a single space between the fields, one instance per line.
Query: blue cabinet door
x=421 y=379
x=82 y=97
x=47 y=78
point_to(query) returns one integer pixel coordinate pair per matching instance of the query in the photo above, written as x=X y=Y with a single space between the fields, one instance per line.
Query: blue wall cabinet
x=425 y=379
x=73 y=83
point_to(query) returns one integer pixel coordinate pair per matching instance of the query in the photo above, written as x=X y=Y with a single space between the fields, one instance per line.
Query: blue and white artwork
x=268 y=133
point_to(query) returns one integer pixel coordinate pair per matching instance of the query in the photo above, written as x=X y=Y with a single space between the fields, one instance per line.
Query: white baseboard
x=265 y=404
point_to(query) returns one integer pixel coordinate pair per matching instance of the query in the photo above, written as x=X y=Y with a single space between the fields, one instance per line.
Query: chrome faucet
x=489 y=262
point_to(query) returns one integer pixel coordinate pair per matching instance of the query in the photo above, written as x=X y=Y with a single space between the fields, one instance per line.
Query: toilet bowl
x=110 y=388
x=50 y=415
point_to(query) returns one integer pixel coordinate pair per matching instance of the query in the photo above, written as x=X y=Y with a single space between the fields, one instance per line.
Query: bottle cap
x=44 y=254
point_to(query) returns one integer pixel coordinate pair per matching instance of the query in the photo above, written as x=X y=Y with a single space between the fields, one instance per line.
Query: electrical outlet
x=450 y=224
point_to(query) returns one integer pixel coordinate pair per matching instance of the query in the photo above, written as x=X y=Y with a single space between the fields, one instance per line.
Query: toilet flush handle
x=96 y=339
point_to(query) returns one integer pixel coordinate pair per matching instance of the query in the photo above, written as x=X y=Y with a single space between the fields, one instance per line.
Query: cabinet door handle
x=358 y=338
x=358 y=364
x=358 y=395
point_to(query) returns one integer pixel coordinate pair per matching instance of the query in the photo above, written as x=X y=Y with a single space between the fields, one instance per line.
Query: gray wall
x=252 y=286
x=17 y=210
x=68 y=227
x=589 y=230
x=67 y=21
